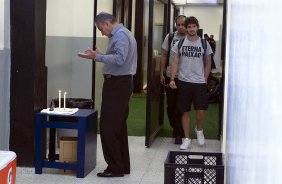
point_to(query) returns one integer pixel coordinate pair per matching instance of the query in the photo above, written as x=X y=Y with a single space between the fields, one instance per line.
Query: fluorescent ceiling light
x=183 y=2
x=179 y=2
x=201 y=1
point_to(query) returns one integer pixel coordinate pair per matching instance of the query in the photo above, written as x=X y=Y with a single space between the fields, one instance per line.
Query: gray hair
x=105 y=17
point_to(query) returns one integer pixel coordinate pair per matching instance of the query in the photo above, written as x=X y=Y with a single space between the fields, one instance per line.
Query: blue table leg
x=80 y=172
x=38 y=144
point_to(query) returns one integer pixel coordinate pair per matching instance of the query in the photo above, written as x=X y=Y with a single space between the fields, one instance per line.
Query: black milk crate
x=193 y=168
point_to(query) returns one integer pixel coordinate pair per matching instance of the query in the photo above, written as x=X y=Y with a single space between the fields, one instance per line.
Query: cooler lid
x=6 y=157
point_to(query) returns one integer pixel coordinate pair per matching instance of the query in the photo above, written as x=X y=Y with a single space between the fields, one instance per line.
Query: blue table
x=85 y=121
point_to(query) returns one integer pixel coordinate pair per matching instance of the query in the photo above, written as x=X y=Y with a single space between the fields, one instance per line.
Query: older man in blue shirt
x=120 y=62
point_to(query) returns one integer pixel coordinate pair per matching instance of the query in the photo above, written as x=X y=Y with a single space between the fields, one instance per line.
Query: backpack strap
x=180 y=43
x=170 y=38
x=204 y=45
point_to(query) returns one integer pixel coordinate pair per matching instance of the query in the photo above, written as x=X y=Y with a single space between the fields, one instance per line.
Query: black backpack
x=213 y=89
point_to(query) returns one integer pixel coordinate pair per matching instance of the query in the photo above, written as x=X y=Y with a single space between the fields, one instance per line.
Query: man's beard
x=194 y=33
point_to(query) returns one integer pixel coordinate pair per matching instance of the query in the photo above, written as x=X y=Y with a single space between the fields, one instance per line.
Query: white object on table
x=65 y=94
x=66 y=111
x=60 y=98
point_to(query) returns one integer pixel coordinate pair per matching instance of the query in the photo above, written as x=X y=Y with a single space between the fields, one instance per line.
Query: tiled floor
x=147 y=165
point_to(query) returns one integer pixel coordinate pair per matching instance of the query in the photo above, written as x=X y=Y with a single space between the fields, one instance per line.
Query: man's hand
x=89 y=54
x=162 y=79
x=98 y=51
x=172 y=84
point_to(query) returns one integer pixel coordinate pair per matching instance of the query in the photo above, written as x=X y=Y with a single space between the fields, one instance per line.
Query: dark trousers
x=113 y=128
x=174 y=116
x=213 y=66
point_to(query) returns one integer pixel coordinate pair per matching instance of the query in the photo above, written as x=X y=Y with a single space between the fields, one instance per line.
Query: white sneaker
x=185 y=143
x=200 y=137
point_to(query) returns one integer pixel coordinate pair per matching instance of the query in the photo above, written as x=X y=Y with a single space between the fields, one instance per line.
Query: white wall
x=5 y=65
x=253 y=92
x=133 y=16
x=1 y=24
x=67 y=33
x=69 y=18
x=158 y=27
x=171 y=18
x=158 y=14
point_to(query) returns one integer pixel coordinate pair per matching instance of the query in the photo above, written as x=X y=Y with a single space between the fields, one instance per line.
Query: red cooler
x=7 y=167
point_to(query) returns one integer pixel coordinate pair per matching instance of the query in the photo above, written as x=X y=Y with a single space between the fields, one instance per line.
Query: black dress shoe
x=178 y=140
x=107 y=174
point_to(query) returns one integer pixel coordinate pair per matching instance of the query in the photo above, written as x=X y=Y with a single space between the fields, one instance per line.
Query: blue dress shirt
x=121 y=55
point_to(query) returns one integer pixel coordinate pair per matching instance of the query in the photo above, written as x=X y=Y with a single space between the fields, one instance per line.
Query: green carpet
x=136 y=120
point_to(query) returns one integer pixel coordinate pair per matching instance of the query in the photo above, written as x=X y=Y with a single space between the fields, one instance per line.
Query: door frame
x=150 y=134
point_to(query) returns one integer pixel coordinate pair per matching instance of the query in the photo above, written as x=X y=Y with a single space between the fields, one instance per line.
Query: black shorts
x=189 y=93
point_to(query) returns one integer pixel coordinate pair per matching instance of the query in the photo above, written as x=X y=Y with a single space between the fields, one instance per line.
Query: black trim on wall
x=28 y=85
x=114 y=9
x=166 y=21
x=223 y=57
x=129 y=14
x=175 y=14
x=168 y=8
x=122 y=10
x=93 y=62
x=139 y=34
x=149 y=137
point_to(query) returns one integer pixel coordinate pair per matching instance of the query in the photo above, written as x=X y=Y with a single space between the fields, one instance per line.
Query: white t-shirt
x=175 y=39
x=191 y=64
